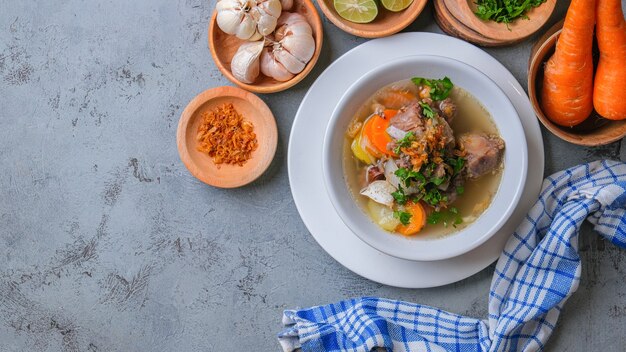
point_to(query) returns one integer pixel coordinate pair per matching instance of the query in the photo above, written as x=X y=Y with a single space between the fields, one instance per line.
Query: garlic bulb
x=248 y=19
x=286 y=4
x=291 y=48
x=245 y=63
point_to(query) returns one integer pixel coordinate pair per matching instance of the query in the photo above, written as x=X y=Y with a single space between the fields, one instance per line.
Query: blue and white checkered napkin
x=537 y=272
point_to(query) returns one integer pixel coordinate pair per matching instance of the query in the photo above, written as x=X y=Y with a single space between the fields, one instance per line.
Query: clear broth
x=471 y=116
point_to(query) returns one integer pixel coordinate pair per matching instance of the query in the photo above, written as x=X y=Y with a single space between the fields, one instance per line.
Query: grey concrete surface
x=107 y=243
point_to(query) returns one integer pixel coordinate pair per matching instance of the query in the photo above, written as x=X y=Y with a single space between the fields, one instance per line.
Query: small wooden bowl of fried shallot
x=200 y=164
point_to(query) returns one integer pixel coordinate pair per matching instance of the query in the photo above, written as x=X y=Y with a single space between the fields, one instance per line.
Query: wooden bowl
x=455 y=28
x=457 y=18
x=518 y=30
x=224 y=46
x=596 y=130
x=385 y=24
x=200 y=164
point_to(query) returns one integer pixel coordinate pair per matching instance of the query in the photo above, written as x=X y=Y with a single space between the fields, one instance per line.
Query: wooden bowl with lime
x=372 y=18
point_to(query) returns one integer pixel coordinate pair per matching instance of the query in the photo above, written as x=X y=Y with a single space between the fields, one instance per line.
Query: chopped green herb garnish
x=457 y=164
x=428 y=111
x=445 y=217
x=426 y=185
x=405 y=142
x=399 y=196
x=504 y=11
x=433 y=197
x=460 y=190
x=434 y=218
x=439 y=88
x=437 y=180
x=428 y=169
x=402 y=173
x=403 y=216
x=406 y=176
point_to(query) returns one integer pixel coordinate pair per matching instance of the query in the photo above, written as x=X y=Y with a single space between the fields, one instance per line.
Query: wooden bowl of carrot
x=577 y=77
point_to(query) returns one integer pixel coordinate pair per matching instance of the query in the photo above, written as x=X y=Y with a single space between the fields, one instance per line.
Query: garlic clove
x=246 y=29
x=270 y=7
x=227 y=5
x=229 y=21
x=291 y=63
x=301 y=46
x=245 y=62
x=272 y=68
x=286 y=4
x=266 y=14
x=293 y=22
x=256 y=36
x=266 y=25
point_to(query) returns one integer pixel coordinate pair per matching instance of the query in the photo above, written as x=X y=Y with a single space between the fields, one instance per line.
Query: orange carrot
x=375 y=130
x=417 y=221
x=395 y=99
x=568 y=77
x=389 y=113
x=609 y=91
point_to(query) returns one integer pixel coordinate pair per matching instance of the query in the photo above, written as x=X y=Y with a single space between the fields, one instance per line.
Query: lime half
x=396 y=5
x=357 y=11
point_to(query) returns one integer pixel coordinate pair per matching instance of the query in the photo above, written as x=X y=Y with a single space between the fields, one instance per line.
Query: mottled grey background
x=107 y=243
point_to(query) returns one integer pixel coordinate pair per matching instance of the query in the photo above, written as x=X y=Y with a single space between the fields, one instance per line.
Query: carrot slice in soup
x=417 y=222
x=389 y=113
x=375 y=130
x=395 y=99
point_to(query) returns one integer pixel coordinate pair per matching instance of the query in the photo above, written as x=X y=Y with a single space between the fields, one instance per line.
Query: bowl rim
x=332 y=184
x=280 y=86
x=226 y=91
x=334 y=17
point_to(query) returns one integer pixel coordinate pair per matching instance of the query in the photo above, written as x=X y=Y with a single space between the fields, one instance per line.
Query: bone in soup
x=423 y=156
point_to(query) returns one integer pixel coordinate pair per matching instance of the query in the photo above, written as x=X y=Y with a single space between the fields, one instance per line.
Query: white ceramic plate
x=305 y=161
x=425 y=247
